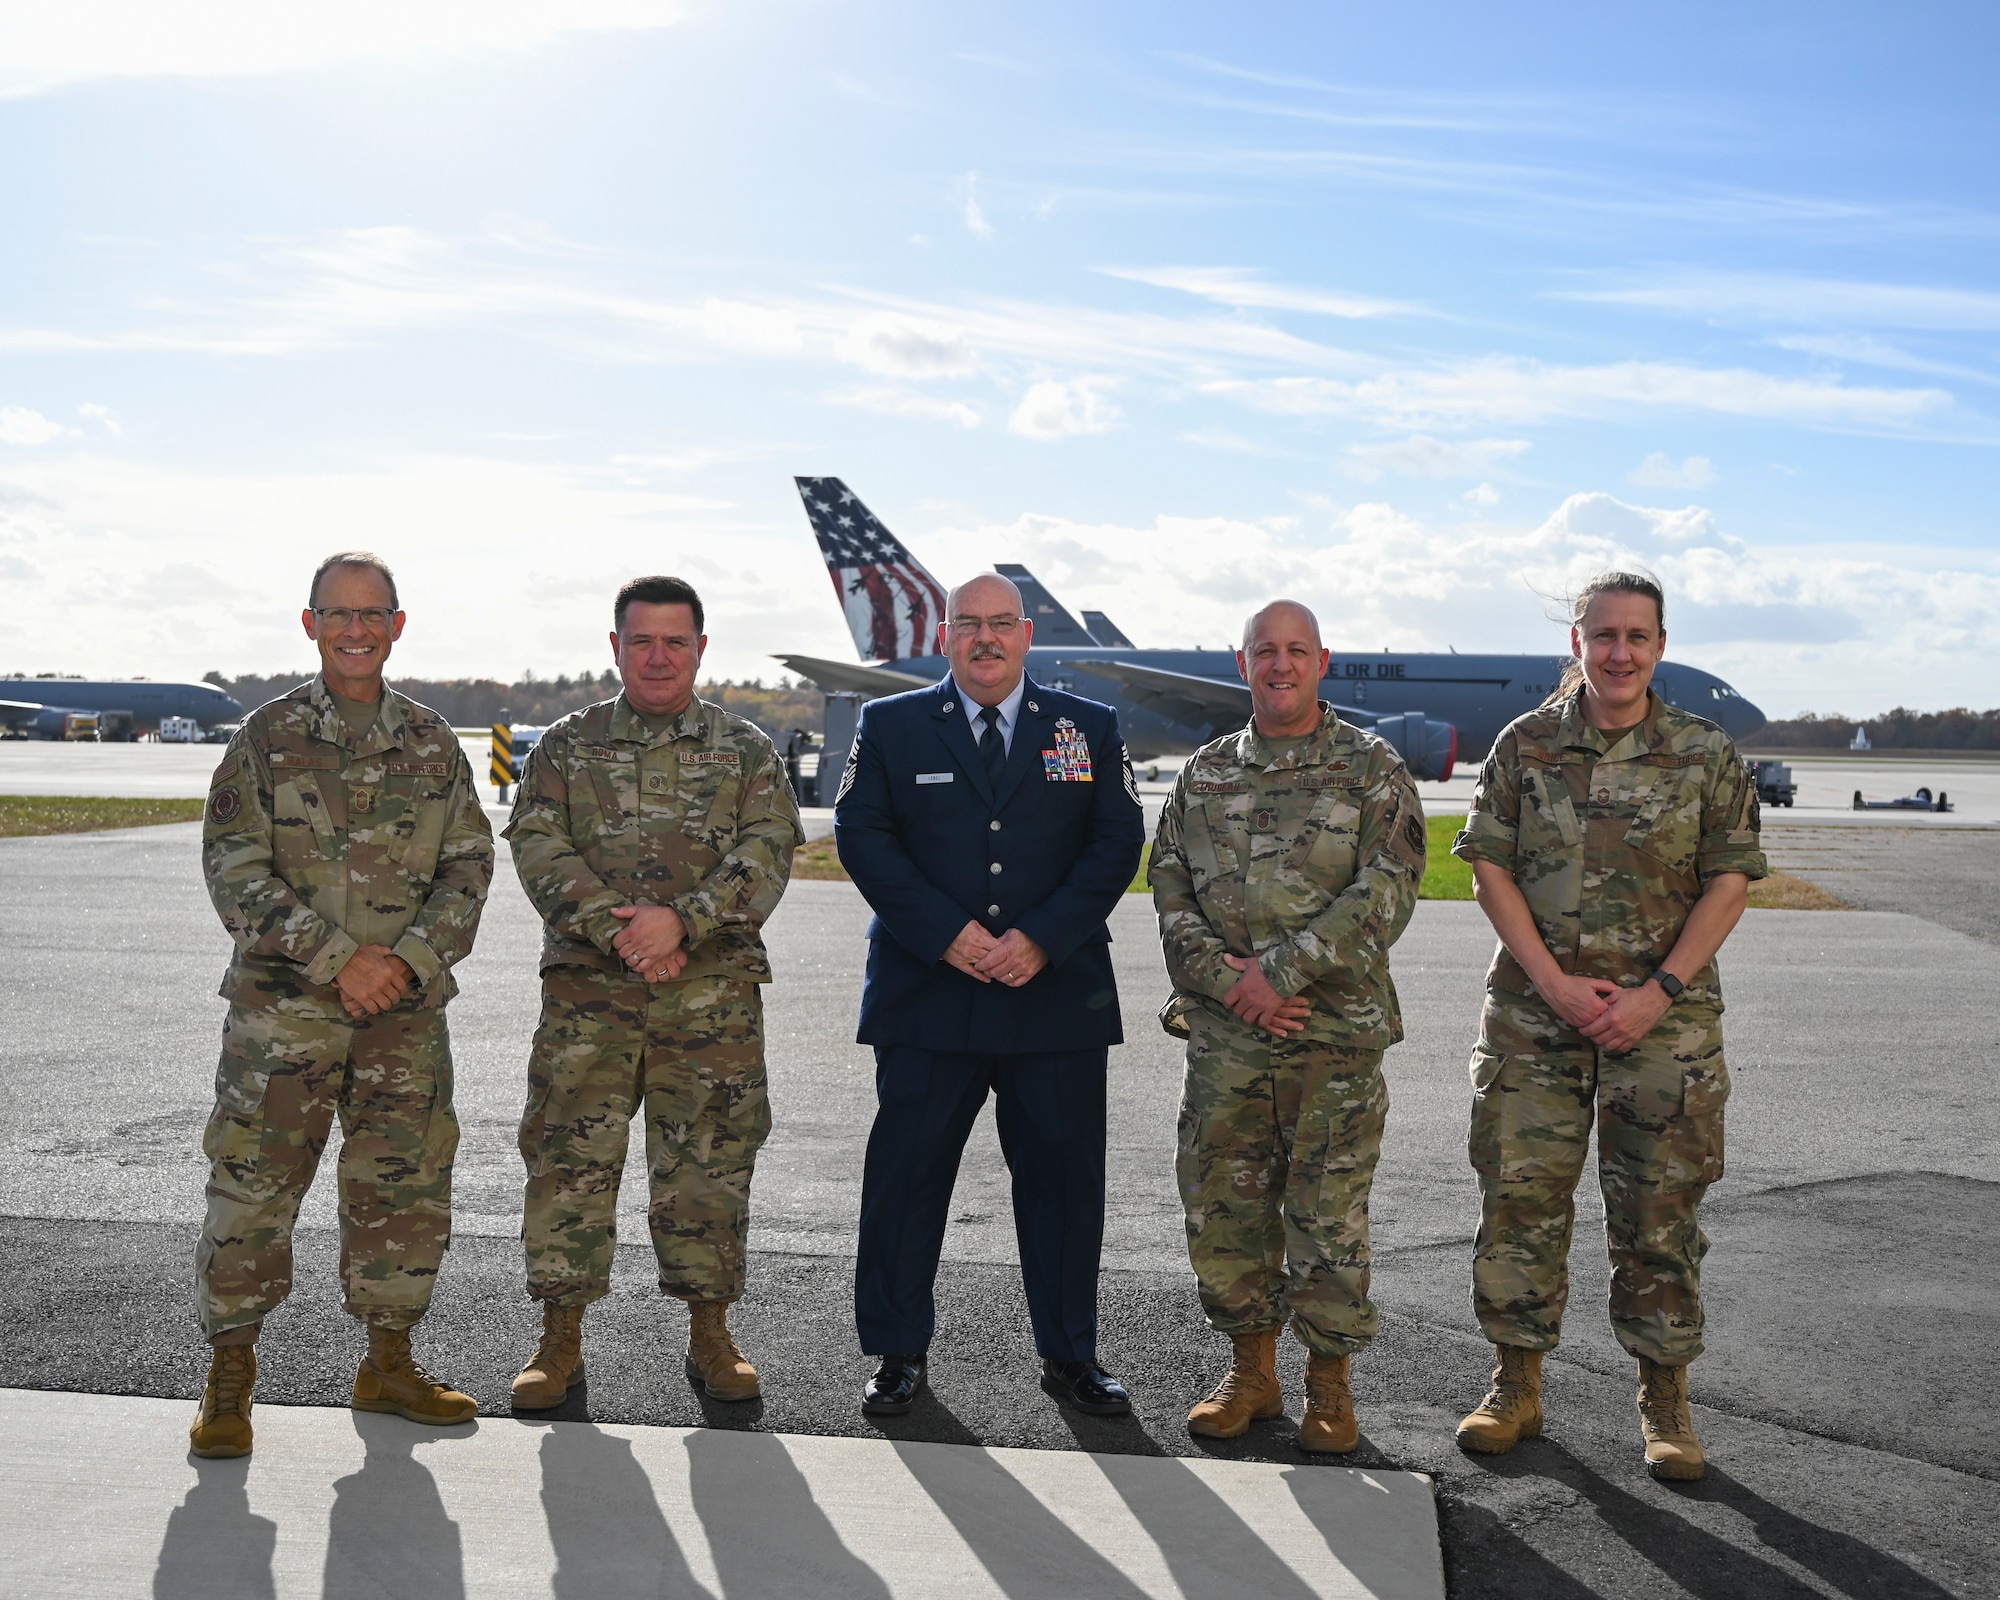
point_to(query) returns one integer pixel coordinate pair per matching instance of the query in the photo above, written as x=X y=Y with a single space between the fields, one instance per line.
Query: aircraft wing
x=1179 y=696
x=20 y=705
x=852 y=678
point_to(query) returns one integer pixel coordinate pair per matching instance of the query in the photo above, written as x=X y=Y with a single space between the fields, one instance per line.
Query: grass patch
x=1783 y=892
x=77 y=813
x=1445 y=876
x=819 y=859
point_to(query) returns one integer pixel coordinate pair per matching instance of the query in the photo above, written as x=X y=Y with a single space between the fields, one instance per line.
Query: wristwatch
x=1667 y=981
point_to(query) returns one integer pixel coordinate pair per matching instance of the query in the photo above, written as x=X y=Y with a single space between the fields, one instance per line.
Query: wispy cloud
x=1421 y=456
x=1507 y=389
x=906 y=403
x=1239 y=286
x=970 y=210
x=1800 y=300
x=43 y=47
x=1661 y=471
x=20 y=425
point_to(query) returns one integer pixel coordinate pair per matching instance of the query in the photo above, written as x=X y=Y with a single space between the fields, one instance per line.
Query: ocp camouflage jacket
x=1309 y=861
x=314 y=845
x=1612 y=838
x=691 y=811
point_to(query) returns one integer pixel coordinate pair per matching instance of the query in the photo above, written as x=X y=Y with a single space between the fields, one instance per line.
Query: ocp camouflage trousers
x=1538 y=1087
x=1277 y=1151
x=693 y=1055
x=279 y=1085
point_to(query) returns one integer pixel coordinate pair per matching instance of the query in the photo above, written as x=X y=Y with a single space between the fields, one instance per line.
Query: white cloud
x=1792 y=626
x=1240 y=287
x=1661 y=471
x=1053 y=410
x=43 y=46
x=19 y=425
x=1482 y=495
x=1421 y=456
x=907 y=347
x=103 y=415
x=974 y=215
x=1512 y=390
x=1795 y=300
x=906 y=403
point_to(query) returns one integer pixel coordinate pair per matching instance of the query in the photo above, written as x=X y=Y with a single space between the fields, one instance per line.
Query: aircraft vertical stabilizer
x=1106 y=632
x=1053 y=625
x=893 y=605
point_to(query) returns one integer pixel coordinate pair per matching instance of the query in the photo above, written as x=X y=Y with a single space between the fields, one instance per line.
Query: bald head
x=1282 y=617
x=984 y=596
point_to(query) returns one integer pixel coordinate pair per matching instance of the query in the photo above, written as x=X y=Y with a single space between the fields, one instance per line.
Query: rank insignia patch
x=1069 y=762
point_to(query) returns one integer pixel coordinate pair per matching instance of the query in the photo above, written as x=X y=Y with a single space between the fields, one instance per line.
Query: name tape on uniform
x=934 y=777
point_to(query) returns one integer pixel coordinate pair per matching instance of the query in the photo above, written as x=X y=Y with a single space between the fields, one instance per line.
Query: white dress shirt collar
x=1010 y=711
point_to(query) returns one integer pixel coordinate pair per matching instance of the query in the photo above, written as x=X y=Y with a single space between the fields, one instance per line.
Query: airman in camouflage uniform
x=339 y=834
x=1612 y=839
x=1302 y=855
x=619 y=808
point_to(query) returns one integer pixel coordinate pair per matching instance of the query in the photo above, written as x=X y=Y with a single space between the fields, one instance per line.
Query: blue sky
x=1417 y=313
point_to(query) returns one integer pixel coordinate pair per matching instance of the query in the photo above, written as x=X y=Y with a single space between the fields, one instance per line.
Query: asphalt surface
x=1857 y=1236
x=1949 y=875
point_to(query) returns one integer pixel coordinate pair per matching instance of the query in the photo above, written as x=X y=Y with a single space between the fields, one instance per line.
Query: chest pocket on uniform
x=711 y=792
x=1668 y=823
x=611 y=782
x=1330 y=841
x=1218 y=833
x=1548 y=819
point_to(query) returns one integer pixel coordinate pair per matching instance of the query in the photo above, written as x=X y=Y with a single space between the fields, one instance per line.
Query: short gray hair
x=354 y=558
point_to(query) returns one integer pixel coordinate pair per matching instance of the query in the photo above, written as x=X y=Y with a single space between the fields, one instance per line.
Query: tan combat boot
x=557 y=1364
x=222 y=1427
x=1672 y=1450
x=1512 y=1409
x=390 y=1380
x=1248 y=1392
x=1328 y=1427
x=713 y=1360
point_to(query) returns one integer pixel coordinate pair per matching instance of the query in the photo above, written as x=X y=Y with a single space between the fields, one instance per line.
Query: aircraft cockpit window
x=1722 y=691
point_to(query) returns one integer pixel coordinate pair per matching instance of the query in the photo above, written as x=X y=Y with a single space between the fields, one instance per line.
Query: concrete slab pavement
x=342 y=1504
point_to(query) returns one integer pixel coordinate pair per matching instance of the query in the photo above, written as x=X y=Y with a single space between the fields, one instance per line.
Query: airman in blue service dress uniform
x=992 y=824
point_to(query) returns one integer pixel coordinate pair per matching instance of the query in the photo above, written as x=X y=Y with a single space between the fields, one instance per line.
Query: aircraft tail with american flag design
x=893 y=604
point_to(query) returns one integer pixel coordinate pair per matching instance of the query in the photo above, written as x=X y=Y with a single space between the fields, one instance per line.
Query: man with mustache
x=992 y=823
x=1287 y=862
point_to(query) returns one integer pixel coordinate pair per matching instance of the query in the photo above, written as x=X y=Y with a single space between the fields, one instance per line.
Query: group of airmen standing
x=992 y=824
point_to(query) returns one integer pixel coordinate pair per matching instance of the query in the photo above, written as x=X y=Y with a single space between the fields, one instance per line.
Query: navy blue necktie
x=992 y=748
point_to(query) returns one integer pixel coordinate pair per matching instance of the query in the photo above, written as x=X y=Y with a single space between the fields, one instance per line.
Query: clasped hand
x=1254 y=1000
x=653 y=942
x=373 y=979
x=1608 y=1015
x=1012 y=959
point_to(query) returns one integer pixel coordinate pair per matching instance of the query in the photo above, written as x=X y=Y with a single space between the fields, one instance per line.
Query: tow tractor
x=1920 y=801
x=1774 y=782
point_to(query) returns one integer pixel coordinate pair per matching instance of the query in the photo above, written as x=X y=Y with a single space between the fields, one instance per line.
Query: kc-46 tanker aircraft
x=1435 y=709
x=39 y=706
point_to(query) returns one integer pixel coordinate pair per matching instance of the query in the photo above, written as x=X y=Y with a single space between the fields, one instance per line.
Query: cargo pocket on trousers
x=1483 y=1143
x=1704 y=1092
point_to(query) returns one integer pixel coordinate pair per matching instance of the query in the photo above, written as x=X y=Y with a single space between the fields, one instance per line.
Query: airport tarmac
x=1852 y=1312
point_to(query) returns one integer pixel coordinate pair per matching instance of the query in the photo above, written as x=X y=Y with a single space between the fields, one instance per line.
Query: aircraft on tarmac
x=39 y=706
x=1435 y=709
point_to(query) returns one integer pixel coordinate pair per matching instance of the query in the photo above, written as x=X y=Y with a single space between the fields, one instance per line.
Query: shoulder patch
x=224 y=804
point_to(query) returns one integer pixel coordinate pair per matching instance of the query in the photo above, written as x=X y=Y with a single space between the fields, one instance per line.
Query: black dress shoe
x=1087 y=1387
x=894 y=1389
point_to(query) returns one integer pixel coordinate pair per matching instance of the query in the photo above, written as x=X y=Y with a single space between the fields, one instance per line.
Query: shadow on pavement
x=1840 y=1561
x=388 y=1532
x=747 y=1486
x=1212 y=1553
x=214 y=1544
x=1025 y=1548
x=611 y=1539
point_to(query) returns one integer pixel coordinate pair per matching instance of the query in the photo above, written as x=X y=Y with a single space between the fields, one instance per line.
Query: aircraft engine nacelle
x=1428 y=747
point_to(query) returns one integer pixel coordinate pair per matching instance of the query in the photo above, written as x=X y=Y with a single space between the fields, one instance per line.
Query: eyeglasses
x=338 y=617
x=968 y=627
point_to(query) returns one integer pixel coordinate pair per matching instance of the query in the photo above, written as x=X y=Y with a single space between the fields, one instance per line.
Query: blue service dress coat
x=932 y=845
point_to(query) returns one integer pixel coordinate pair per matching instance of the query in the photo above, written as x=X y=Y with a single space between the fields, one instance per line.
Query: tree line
x=1901 y=729
x=476 y=702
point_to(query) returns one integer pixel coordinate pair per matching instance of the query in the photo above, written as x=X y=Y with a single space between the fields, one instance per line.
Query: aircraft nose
x=1744 y=720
